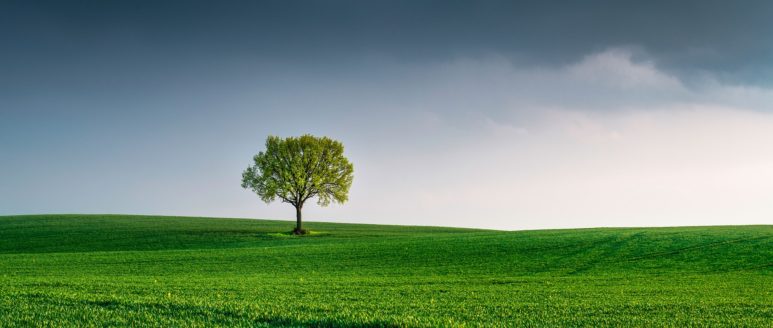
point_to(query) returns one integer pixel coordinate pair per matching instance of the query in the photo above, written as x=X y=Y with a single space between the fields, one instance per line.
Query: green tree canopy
x=296 y=169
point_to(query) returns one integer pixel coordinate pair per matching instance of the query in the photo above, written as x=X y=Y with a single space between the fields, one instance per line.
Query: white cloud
x=606 y=141
x=615 y=68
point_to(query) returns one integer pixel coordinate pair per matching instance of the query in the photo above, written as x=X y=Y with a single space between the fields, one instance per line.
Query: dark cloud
x=728 y=37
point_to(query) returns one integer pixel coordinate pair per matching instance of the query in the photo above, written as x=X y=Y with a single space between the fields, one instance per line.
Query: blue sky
x=485 y=114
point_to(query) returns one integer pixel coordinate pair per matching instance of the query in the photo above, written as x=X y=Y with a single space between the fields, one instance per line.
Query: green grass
x=106 y=270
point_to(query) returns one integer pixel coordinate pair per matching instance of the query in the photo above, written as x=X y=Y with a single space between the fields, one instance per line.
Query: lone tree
x=296 y=169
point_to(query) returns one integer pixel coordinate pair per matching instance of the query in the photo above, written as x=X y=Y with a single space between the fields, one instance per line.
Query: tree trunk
x=298 y=227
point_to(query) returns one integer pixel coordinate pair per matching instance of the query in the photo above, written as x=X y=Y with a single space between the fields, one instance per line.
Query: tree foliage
x=296 y=169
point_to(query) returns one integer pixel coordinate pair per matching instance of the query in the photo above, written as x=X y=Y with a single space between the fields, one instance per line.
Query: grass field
x=173 y=271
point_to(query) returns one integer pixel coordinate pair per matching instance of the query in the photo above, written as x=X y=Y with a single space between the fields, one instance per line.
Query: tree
x=296 y=169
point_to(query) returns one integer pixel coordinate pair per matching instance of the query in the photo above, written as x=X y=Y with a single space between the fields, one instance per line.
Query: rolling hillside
x=178 y=271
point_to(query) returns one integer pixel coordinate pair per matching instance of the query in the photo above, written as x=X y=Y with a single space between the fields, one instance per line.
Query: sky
x=492 y=114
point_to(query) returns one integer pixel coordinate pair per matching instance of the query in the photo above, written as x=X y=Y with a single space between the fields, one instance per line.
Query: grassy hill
x=178 y=271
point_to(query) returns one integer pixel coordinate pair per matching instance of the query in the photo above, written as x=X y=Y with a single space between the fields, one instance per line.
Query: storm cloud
x=486 y=114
